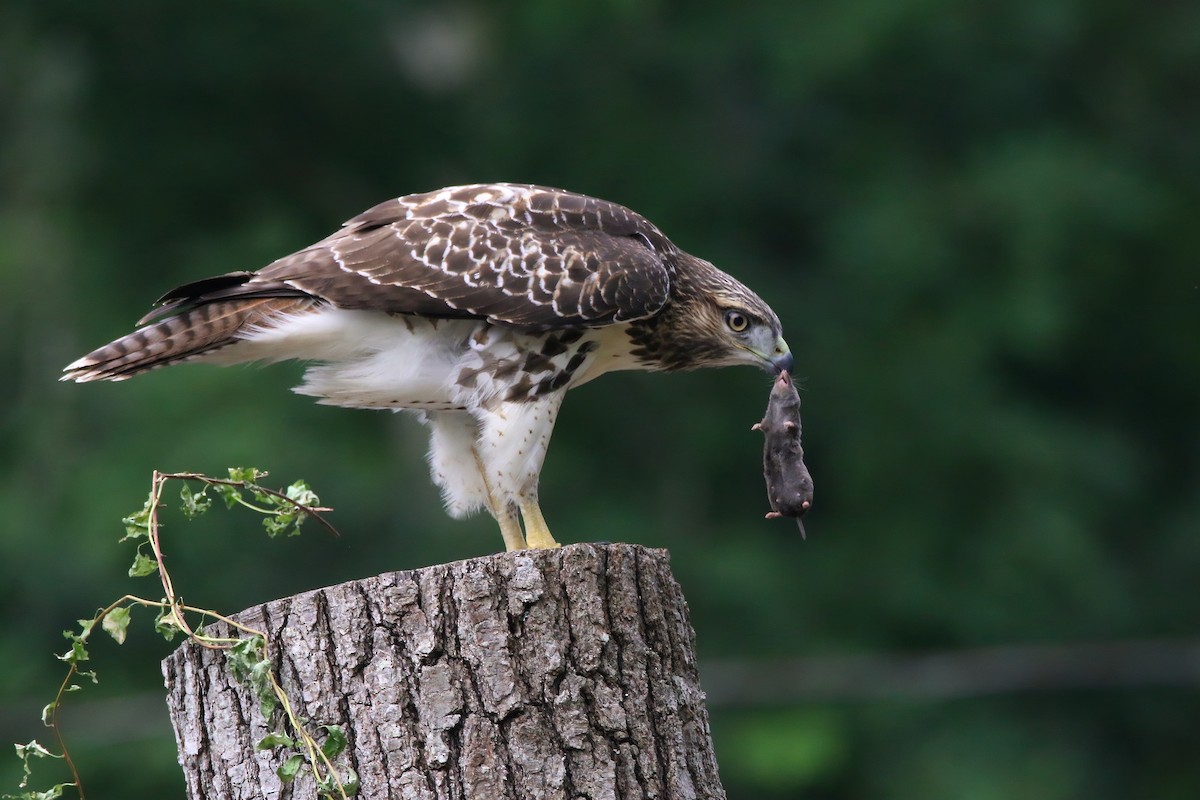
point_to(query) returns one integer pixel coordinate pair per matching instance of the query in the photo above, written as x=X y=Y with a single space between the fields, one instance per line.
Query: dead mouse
x=789 y=486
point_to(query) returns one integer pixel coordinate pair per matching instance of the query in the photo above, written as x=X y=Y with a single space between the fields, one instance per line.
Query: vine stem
x=52 y=723
x=313 y=511
x=158 y=482
x=172 y=605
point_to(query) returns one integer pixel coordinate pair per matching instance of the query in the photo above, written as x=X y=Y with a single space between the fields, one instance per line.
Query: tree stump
x=531 y=675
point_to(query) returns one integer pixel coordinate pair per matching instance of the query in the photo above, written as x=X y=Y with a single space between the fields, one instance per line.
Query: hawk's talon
x=537 y=533
x=510 y=529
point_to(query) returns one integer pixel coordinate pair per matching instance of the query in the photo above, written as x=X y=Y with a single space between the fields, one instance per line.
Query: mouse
x=789 y=484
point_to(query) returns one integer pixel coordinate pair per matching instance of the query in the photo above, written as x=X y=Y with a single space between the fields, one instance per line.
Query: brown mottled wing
x=524 y=256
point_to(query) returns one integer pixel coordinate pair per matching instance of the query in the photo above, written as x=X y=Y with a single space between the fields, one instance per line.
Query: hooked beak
x=776 y=358
x=782 y=359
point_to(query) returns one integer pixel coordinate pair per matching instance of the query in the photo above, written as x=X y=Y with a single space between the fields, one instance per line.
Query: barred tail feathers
x=188 y=335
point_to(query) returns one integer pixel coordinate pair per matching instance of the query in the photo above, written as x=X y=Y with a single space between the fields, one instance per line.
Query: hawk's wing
x=524 y=256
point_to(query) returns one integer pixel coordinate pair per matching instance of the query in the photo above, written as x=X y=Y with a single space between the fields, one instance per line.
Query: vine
x=248 y=654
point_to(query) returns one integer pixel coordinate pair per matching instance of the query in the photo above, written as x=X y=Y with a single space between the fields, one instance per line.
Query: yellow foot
x=537 y=533
x=510 y=529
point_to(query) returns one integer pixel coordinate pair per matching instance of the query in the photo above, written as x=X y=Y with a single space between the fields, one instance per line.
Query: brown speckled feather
x=196 y=331
x=527 y=257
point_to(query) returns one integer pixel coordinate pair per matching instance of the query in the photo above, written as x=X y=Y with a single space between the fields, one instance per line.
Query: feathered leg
x=453 y=465
x=458 y=470
x=513 y=438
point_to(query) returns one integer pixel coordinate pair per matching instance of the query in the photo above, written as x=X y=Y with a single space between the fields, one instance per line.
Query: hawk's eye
x=736 y=321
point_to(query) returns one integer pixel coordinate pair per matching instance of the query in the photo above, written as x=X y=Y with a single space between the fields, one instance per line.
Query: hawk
x=477 y=307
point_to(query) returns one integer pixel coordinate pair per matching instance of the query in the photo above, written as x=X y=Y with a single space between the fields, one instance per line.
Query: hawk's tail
x=189 y=334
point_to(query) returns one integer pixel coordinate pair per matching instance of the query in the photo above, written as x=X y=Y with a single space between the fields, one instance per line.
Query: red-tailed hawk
x=477 y=307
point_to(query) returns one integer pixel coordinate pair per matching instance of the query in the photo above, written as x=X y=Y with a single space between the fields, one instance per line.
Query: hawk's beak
x=782 y=358
x=776 y=358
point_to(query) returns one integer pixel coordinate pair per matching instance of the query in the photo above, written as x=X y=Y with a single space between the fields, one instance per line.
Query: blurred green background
x=977 y=222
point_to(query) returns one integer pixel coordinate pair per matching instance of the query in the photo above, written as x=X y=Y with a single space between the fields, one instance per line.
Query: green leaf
x=284 y=523
x=264 y=498
x=134 y=532
x=328 y=787
x=249 y=665
x=77 y=653
x=272 y=740
x=33 y=748
x=24 y=751
x=28 y=751
x=137 y=524
x=167 y=623
x=260 y=680
x=300 y=492
x=230 y=494
x=194 y=503
x=288 y=516
x=53 y=793
x=289 y=769
x=142 y=565
x=116 y=623
x=244 y=656
x=267 y=703
x=335 y=743
x=245 y=474
x=350 y=784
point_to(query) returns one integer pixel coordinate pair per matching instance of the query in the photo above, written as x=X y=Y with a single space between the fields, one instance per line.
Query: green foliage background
x=976 y=221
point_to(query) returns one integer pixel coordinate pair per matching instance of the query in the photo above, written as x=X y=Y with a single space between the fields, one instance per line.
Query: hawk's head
x=712 y=320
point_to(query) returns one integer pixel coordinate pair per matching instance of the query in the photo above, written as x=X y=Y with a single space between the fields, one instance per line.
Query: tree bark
x=531 y=675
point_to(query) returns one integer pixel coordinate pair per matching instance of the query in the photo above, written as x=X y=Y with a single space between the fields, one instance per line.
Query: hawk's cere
x=477 y=307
